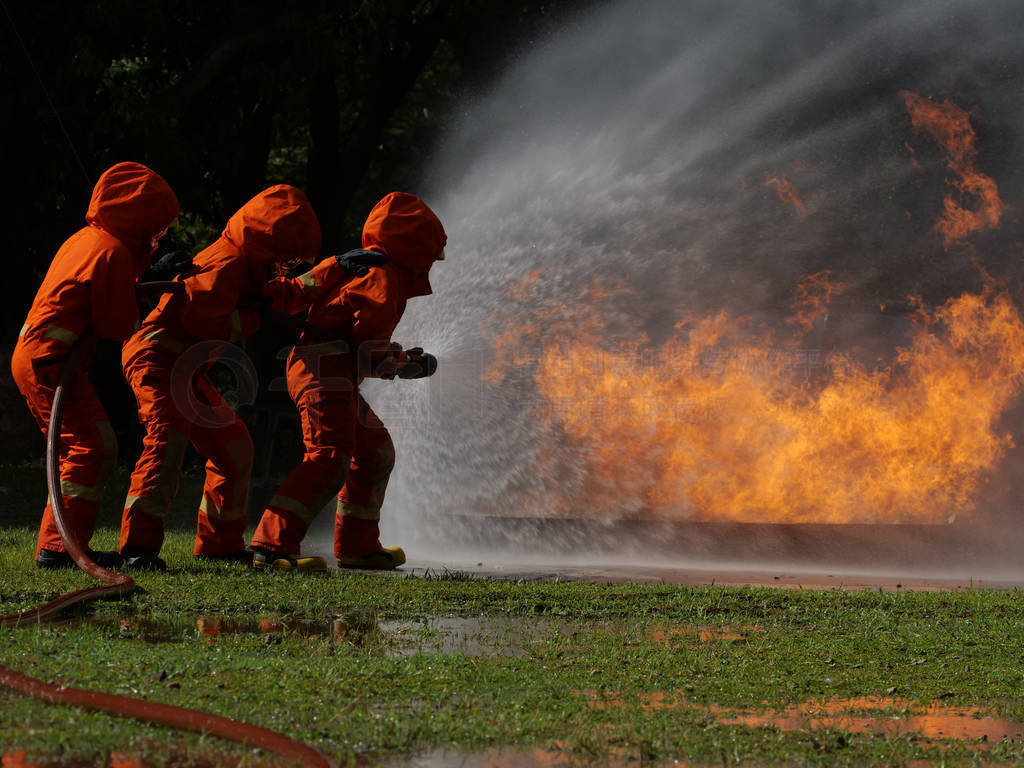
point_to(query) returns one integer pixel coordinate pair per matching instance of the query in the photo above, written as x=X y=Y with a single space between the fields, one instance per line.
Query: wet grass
x=372 y=669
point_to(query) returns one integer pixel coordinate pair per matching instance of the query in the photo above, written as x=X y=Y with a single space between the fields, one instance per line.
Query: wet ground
x=444 y=635
x=496 y=757
x=513 y=636
x=889 y=717
x=726 y=575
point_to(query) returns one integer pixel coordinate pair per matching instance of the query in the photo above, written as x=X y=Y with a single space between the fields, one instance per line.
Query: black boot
x=52 y=560
x=143 y=559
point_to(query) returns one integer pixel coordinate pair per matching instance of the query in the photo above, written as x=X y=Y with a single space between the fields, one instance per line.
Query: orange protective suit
x=348 y=337
x=90 y=285
x=166 y=362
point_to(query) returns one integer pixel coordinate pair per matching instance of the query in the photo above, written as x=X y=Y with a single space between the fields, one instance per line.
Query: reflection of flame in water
x=207 y=627
x=896 y=716
x=670 y=635
x=950 y=126
x=724 y=421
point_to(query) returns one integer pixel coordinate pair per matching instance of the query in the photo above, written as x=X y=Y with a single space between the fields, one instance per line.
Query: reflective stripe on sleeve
x=309 y=284
x=165 y=340
x=60 y=334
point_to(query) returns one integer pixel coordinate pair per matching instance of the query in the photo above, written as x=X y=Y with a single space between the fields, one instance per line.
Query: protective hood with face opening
x=404 y=228
x=276 y=225
x=133 y=203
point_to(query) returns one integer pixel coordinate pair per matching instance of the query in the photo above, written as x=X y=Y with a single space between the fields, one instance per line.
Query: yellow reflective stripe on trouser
x=141 y=504
x=23 y=331
x=108 y=442
x=158 y=498
x=236 y=326
x=209 y=508
x=308 y=513
x=360 y=511
x=294 y=506
x=165 y=340
x=60 y=334
x=79 y=491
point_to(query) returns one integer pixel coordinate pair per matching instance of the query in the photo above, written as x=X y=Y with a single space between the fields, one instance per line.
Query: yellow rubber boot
x=384 y=559
x=263 y=559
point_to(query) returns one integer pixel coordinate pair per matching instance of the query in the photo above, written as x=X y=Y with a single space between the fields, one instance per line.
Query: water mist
x=678 y=159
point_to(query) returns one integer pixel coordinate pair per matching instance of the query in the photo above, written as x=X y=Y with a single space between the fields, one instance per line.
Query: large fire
x=731 y=421
x=723 y=422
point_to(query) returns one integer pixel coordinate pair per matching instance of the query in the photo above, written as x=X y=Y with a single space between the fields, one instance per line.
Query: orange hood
x=403 y=228
x=132 y=203
x=277 y=224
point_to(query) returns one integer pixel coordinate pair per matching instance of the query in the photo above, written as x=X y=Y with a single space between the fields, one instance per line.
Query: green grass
x=569 y=666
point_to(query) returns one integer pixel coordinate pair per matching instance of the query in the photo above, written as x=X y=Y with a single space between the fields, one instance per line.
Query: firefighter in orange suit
x=90 y=286
x=347 y=337
x=227 y=296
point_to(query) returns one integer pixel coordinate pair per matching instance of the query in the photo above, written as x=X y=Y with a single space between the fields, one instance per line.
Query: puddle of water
x=892 y=717
x=518 y=757
x=490 y=636
x=484 y=636
x=479 y=636
x=932 y=721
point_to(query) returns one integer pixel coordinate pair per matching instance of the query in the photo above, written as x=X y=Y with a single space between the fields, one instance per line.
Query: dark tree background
x=342 y=99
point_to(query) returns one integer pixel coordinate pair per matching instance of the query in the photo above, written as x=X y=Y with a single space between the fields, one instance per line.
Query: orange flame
x=785 y=190
x=950 y=126
x=813 y=294
x=722 y=422
x=515 y=344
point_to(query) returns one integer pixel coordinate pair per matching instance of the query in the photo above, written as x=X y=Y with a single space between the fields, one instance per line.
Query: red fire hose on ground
x=116 y=585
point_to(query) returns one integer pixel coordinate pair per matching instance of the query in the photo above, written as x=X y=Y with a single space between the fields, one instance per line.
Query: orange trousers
x=347 y=448
x=88 y=445
x=175 y=413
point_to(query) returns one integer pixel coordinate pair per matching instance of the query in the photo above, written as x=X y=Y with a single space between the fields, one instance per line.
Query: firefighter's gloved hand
x=168 y=266
x=359 y=261
x=420 y=364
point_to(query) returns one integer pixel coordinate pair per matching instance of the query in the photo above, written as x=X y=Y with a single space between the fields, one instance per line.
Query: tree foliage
x=342 y=99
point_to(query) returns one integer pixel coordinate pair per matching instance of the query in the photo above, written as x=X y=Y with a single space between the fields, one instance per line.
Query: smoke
x=707 y=155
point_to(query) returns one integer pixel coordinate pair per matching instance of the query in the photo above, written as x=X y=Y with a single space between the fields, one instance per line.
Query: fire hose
x=115 y=585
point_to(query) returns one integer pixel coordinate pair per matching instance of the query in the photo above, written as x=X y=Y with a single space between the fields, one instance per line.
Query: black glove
x=168 y=266
x=420 y=365
x=359 y=261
